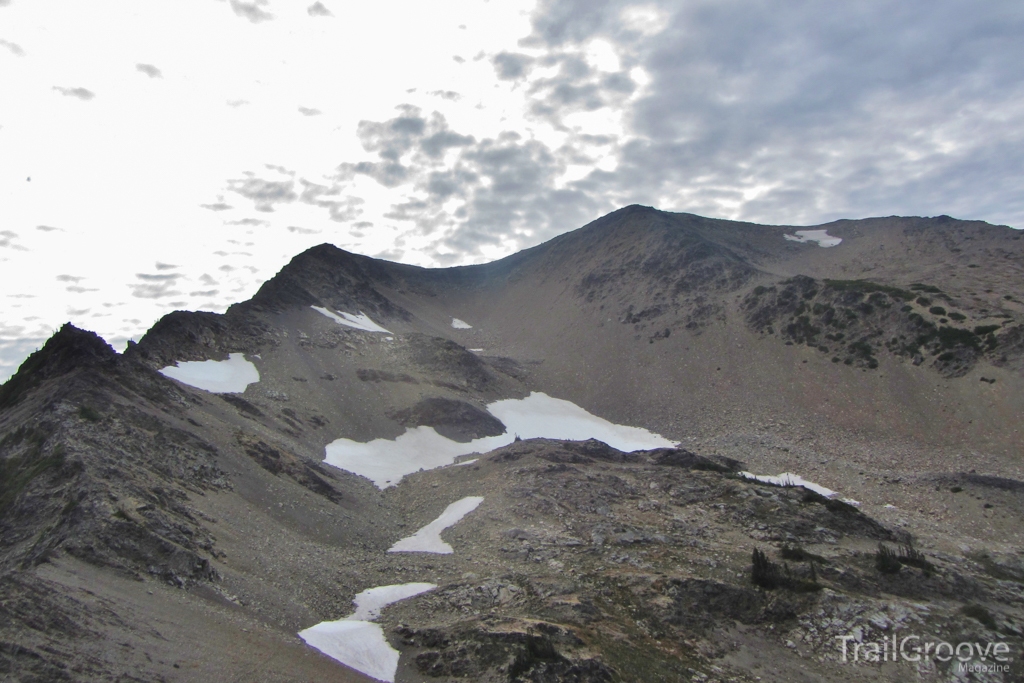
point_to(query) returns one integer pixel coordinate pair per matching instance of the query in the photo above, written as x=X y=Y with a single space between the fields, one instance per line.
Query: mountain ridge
x=166 y=505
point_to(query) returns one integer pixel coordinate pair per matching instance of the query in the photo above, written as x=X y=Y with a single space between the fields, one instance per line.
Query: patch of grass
x=87 y=412
x=867 y=287
x=979 y=614
x=956 y=489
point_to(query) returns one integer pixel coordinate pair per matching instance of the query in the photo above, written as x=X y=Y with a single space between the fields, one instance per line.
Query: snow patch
x=790 y=479
x=428 y=539
x=461 y=324
x=820 y=236
x=355 y=641
x=360 y=322
x=477 y=350
x=386 y=461
x=229 y=376
x=371 y=601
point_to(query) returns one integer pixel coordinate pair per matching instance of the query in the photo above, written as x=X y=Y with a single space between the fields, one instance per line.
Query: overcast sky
x=162 y=156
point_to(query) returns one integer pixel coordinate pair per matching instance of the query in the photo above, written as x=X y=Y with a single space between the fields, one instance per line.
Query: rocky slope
x=150 y=530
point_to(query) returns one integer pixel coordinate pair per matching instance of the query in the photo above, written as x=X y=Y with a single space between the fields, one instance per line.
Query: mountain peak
x=68 y=349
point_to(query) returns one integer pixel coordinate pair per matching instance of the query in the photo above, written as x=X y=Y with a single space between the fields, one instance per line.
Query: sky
x=165 y=156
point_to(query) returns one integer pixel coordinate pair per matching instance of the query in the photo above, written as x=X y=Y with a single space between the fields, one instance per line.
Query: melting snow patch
x=371 y=601
x=428 y=539
x=461 y=324
x=820 y=236
x=386 y=461
x=477 y=350
x=357 y=643
x=790 y=479
x=229 y=376
x=360 y=322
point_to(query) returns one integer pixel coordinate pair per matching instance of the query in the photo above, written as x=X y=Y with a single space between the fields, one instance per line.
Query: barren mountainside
x=152 y=530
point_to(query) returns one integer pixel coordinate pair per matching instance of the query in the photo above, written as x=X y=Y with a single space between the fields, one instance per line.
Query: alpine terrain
x=657 y=448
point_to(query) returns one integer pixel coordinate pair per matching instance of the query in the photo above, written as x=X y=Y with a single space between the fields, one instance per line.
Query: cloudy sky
x=158 y=156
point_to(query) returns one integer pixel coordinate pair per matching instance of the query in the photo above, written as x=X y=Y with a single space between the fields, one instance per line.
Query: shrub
x=957 y=316
x=982 y=330
x=769 y=575
x=886 y=560
x=937 y=310
x=923 y=301
x=912 y=557
x=931 y=289
x=764 y=572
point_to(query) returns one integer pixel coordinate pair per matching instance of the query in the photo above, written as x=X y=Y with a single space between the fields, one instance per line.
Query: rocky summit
x=657 y=448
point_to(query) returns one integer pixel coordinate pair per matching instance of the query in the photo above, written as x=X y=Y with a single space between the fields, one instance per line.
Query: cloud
x=237 y=103
x=306 y=111
x=303 y=231
x=149 y=70
x=779 y=113
x=248 y=221
x=505 y=188
x=48 y=228
x=78 y=289
x=13 y=47
x=165 y=266
x=449 y=95
x=253 y=11
x=7 y=240
x=510 y=66
x=264 y=193
x=79 y=93
x=317 y=9
x=69 y=278
x=155 y=286
x=206 y=279
x=218 y=206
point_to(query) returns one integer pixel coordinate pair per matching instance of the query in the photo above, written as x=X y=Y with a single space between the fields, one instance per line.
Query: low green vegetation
x=867 y=287
x=981 y=615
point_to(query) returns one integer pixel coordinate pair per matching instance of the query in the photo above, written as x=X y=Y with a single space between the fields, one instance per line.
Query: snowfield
x=461 y=324
x=428 y=539
x=371 y=601
x=360 y=322
x=790 y=479
x=820 y=236
x=386 y=461
x=229 y=376
x=355 y=641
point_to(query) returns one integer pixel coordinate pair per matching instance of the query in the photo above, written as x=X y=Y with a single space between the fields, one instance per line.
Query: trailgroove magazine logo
x=970 y=657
